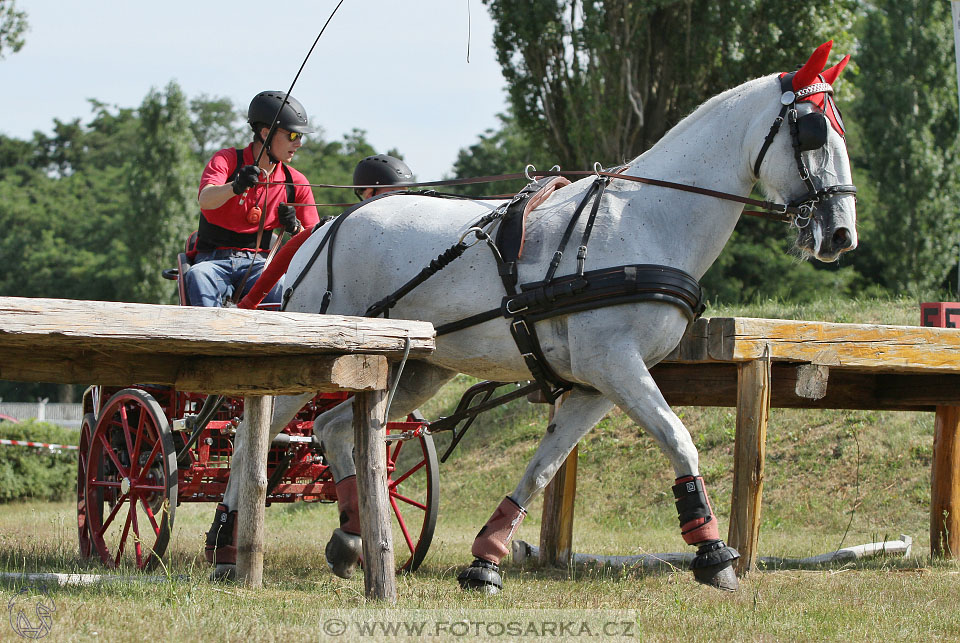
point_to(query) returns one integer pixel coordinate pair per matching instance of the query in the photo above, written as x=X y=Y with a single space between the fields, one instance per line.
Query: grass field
x=833 y=478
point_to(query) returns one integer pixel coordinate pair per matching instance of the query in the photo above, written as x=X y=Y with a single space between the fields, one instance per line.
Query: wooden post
x=257 y=410
x=945 y=484
x=753 y=411
x=559 y=499
x=369 y=427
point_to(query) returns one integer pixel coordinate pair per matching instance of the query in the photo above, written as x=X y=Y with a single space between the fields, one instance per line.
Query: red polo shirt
x=233 y=216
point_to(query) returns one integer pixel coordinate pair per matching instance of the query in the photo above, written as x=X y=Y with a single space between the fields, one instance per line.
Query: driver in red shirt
x=227 y=234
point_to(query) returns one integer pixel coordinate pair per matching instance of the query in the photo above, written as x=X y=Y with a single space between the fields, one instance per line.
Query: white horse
x=606 y=352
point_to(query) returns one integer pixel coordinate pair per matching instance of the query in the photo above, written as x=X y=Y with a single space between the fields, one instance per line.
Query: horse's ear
x=830 y=75
x=808 y=73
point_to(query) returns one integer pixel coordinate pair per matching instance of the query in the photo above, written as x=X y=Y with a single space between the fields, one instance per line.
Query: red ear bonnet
x=810 y=73
x=807 y=74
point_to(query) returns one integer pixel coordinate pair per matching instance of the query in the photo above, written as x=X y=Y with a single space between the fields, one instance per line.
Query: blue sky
x=395 y=68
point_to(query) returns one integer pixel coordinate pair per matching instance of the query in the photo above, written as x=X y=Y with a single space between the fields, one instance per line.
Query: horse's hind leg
x=635 y=391
x=419 y=382
x=575 y=417
x=221 y=545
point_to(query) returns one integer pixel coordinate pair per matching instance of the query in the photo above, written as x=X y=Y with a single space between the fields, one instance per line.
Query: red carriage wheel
x=131 y=481
x=83 y=528
x=413 y=481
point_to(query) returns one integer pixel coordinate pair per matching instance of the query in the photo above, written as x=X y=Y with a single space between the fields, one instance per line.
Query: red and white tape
x=42 y=445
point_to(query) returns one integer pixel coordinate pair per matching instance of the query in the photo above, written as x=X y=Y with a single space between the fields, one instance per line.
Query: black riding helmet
x=292 y=117
x=381 y=169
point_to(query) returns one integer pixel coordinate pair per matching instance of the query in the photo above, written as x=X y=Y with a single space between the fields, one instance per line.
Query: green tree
x=503 y=151
x=13 y=24
x=906 y=119
x=162 y=191
x=604 y=80
x=215 y=124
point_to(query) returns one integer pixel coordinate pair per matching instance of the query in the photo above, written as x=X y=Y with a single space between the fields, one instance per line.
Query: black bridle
x=807 y=132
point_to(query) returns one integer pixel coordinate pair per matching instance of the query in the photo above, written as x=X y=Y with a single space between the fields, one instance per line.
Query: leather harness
x=526 y=304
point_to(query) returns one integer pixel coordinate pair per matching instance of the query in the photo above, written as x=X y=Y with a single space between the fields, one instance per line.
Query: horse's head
x=807 y=165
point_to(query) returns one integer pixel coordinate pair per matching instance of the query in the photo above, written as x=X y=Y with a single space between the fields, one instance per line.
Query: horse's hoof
x=713 y=565
x=224 y=574
x=343 y=552
x=481 y=576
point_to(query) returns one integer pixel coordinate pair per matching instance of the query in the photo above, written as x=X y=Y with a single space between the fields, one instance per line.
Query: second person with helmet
x=380 y=170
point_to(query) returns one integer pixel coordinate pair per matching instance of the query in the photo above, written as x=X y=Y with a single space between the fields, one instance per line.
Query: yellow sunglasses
x=291 y=136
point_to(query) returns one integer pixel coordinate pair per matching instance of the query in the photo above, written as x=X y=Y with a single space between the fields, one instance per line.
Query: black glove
x=246 y=178
x=288 y=217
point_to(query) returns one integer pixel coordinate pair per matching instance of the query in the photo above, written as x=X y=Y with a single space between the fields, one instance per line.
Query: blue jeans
x=215 y=276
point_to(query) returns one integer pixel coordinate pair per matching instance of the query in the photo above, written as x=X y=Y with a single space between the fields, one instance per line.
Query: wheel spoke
x=409 y=501
x=137 y=545
x=113 y=514
x=147 y=510
x=125 y=425
x=141 y=429
x=113 y=456
x=104 y=483
x=146 y=467
x=397 y=481
x=403 y=525
x=151 y=488
x=396 y=452
x=123 y=536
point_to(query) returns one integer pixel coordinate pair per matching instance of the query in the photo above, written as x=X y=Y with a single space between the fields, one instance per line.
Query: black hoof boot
x=713 y=566
x=482 y=576
x=224 y=574
x=343 y=553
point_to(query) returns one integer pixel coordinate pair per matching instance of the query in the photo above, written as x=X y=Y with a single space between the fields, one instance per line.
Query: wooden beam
x=257 y=411
x=716 y=385
x=749 y=453
x=559 y=501
x=881 y=347
x=283 y=375
x=55 y=325
x=945 y=486
x=235 y=376
x=369 y=427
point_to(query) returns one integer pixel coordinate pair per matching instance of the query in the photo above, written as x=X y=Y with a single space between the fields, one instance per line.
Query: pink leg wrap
x=493 y=541
x=700 y=529
x=349 y=504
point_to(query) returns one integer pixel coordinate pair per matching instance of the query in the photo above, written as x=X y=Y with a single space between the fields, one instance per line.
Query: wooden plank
x=716 y=385
x=749 y=453
x=253 y=489
x=379 y=577
x=945 y=486
x=283 y=375
x=222 y=375
x=54 y=325
x=889 y=348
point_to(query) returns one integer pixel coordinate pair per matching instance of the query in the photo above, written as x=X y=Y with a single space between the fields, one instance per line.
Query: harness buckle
x=514 y=312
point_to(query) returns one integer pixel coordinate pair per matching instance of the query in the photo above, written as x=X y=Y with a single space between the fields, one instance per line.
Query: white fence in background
x=68 y=415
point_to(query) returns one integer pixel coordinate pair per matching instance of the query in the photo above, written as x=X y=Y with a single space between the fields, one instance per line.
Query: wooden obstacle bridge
x=238 y=353
x=759 y=364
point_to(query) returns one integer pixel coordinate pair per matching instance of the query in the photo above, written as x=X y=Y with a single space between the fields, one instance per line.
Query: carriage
x=145 y=449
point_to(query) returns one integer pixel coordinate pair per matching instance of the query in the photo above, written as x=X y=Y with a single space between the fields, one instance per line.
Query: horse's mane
x=694 y=117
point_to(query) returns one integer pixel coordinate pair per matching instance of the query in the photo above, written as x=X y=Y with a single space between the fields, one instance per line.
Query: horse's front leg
x=634 y=390
x=576 y=416
x=334 y=429
x=221 y=544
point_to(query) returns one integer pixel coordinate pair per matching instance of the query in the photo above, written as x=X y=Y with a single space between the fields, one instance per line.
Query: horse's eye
x=812 y=131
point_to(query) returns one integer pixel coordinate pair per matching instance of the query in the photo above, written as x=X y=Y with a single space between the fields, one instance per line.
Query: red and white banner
x=42 y=445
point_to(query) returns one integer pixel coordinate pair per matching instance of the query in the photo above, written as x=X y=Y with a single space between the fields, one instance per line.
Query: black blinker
x=812 y=131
